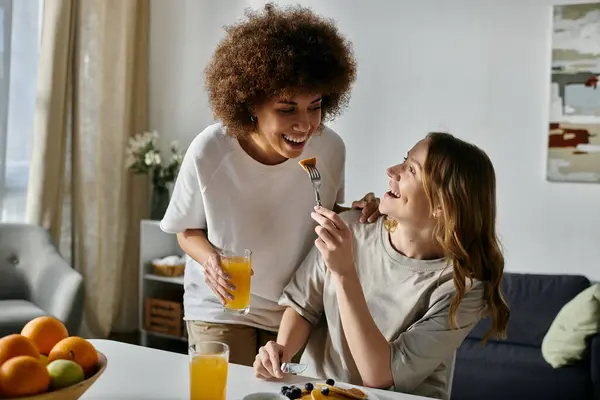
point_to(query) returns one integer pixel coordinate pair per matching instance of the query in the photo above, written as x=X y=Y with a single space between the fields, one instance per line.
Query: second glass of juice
x=239 y=266
x=209 y=362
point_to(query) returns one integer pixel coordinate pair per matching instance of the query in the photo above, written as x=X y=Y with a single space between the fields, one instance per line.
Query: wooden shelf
x=177 y=280
x=154 y=243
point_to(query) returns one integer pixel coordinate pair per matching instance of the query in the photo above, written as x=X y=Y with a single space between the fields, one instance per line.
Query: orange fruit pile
x=24 y=357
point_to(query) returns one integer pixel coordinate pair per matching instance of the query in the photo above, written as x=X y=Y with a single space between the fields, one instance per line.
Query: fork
x=293 y=368
x=315 y=179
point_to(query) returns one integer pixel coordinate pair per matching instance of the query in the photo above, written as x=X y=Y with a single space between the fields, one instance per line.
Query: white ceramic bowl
x=264 y=396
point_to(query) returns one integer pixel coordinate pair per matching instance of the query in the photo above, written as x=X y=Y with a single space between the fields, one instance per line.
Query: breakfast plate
x=328 y=390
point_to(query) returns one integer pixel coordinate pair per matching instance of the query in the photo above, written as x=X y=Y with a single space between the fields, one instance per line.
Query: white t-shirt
x=243 y=204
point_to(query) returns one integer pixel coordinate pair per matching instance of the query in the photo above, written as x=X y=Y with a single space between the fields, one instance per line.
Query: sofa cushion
x=12 y=283
x=566 y=340
x=534 y=301
x=515 y=372
x=14 y=314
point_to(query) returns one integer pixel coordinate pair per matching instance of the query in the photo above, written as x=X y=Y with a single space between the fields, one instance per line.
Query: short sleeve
x=340 y=197
x=304 y=293
x=186 y=206
x=419 y=351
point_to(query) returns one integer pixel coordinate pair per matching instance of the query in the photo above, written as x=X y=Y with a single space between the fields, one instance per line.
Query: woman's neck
x=260 y=150
x=417 y=243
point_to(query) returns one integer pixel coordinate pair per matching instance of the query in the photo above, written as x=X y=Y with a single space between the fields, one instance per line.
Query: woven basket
x=169 y=270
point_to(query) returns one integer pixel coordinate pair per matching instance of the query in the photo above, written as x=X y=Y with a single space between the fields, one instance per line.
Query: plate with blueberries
x=327 y=390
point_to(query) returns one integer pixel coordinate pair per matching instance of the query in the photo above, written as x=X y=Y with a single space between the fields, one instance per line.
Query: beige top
x=409 y=300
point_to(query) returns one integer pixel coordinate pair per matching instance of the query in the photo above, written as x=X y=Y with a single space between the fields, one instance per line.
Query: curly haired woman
x=389 y=303
x=271 y=82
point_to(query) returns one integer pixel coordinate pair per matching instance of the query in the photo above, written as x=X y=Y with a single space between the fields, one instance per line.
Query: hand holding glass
x=239 y=267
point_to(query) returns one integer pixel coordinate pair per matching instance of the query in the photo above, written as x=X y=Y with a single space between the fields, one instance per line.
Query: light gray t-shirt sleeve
x=341 y=192
x=418 y=351
x=304 y=293
x=186 y=206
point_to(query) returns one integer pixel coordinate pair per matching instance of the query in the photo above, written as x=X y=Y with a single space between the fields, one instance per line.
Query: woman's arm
x=303 y=299
x=369 y=348
x=293 y=333
x=195 y=244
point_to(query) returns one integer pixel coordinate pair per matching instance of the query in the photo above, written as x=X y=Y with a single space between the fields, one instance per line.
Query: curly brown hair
x=278 y=51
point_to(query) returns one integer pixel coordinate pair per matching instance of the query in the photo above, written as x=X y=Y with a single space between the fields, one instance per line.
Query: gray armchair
x=36 y=280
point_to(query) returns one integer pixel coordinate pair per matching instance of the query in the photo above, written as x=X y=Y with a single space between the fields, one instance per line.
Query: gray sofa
x=36 y=280
x=515 y=368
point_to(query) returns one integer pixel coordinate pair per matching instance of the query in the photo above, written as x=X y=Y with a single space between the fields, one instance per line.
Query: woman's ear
x=251 y=113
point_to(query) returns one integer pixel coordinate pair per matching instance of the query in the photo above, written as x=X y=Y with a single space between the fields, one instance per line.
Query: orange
x=45 y=332
x=76 y=349
x=23 y=376
x=16 y=345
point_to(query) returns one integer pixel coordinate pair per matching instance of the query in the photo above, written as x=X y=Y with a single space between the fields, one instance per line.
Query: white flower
x=156 y=158
x=149 y=159
x=177 y=158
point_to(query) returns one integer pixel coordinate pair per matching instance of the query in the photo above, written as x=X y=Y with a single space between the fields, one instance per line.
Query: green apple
x=64 y=373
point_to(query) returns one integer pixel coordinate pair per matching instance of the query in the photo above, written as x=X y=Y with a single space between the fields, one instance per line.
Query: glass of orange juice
x=209 y=362
x=239 y=266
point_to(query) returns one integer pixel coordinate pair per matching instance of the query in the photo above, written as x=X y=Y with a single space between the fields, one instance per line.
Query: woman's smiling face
x=286 y=123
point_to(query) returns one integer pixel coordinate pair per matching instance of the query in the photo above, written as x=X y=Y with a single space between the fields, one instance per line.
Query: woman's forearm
x=369 y=348
x=195 y=244
x=293 y=333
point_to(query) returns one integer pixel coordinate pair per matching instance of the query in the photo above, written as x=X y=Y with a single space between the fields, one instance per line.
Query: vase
x=159 y=202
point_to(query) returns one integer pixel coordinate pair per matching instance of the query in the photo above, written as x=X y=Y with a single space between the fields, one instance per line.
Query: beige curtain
x=92 y=97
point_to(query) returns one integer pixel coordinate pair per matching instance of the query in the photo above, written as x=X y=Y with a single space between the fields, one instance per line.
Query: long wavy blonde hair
x=460 y=183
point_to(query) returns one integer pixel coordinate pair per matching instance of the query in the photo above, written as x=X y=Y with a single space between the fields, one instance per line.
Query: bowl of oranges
x=44 y=362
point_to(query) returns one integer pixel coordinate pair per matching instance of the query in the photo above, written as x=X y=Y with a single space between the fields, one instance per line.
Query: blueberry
x=309 y=386
x=293 y=393
x=325 y=391
x=284 y=389
x=330 y=382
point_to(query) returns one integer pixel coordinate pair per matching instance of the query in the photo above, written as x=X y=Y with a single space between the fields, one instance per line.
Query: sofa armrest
x=58 y=289
x=595 y=367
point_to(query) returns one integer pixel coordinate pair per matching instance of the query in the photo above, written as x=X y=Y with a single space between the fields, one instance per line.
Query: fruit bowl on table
x=73 y=392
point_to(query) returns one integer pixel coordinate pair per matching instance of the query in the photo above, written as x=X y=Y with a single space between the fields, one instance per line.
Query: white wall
x=478 y=68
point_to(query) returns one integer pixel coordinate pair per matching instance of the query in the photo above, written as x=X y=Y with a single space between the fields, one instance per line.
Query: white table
x=136 y=373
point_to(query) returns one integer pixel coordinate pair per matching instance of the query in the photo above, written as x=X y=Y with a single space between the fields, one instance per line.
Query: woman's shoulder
x=328 y=141
x=363 y=232
x=212 y=141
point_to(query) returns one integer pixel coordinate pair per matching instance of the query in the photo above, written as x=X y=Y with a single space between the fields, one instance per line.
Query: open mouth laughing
x=393 y=194
x=295 y=142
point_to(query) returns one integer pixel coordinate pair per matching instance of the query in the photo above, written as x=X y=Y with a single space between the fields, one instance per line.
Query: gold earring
x=390 y=224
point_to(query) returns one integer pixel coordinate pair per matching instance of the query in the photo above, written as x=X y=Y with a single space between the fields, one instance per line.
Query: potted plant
x=143 y=157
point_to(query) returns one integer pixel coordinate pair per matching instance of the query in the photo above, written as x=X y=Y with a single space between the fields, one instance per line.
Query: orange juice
x=208 y=377
x=240 y=270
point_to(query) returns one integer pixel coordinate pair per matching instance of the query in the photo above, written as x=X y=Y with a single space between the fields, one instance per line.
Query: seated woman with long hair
x=386 y=305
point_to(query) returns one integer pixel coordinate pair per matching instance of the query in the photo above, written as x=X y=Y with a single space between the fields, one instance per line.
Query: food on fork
x=308 y=161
